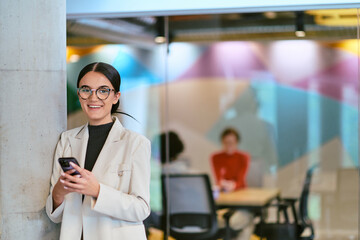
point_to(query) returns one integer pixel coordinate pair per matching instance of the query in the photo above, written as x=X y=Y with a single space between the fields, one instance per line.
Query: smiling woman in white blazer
x=111 y=201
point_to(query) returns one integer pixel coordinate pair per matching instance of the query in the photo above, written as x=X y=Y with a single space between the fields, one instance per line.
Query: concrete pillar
x=32 y=112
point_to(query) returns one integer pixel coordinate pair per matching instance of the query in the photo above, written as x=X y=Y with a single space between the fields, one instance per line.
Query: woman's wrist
x=97 y=192
x=56 y=203
x=57 y=198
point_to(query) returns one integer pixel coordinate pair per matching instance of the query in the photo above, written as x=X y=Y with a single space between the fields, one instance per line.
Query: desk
x=248 y=198
x=252 y=199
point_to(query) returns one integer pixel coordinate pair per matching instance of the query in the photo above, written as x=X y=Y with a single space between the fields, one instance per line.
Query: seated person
x=176 y=163
x=230 y=167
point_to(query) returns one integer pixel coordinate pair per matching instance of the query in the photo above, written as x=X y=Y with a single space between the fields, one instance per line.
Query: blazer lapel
x=79 y=144
x=109 y=149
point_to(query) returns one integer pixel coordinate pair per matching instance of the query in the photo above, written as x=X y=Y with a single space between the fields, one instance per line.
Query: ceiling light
x=299 y=25
x=270 y=15
x=300 y=34
x=74 y=58
x=160 y=39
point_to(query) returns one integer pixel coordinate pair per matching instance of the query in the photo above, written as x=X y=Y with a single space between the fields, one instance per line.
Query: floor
x=156 y=234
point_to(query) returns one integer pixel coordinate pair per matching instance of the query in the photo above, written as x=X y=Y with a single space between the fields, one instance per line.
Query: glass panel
x=287 y=82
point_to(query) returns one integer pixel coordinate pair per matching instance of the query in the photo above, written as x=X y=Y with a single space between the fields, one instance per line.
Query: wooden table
x=255 y=200
x=248 y=198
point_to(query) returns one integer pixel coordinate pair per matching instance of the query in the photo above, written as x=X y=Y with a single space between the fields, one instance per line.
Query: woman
x=230 y=167
x=110 y=198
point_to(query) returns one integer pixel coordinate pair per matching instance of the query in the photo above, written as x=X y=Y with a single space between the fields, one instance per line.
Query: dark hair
x=111 y=74
x=229 y=131
x=175 y=146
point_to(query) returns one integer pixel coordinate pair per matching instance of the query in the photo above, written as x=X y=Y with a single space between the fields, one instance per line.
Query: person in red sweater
x=230 y=165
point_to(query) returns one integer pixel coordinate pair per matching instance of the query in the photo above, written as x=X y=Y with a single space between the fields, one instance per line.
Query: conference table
x=248 y=198
x=255 y=200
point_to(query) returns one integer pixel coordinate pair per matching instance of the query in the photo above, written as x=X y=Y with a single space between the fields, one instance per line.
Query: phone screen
x=65 y=164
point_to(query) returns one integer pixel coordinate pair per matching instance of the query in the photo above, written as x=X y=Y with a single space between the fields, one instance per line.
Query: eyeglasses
x=102 y=92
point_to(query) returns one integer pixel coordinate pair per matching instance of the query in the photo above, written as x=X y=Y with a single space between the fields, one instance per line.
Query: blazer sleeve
x=133 y=206
x=56 y=216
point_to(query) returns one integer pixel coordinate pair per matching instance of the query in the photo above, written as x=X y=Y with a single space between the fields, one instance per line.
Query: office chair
x=290 y=230
x=189 y=208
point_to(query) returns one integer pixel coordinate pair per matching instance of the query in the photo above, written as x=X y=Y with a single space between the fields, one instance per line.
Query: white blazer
x=123 y=171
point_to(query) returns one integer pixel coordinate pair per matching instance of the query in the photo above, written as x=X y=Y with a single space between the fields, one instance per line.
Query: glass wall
x=287 y=82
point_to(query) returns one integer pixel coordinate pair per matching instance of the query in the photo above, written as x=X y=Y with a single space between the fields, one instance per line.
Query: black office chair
x=189 y=208
x=288 y=230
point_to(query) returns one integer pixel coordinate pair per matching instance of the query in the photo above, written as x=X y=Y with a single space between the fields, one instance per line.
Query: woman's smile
x=91 y=106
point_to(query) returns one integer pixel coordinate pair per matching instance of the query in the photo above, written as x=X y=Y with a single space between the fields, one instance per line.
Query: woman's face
x=98 y=111
x=230 y=143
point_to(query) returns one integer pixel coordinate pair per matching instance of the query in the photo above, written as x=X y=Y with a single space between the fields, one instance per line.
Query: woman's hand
x=59 y=191
x=227 y=185
x=85 y=183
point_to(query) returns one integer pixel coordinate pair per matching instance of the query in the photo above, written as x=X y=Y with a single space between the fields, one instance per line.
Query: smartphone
x=65 y=164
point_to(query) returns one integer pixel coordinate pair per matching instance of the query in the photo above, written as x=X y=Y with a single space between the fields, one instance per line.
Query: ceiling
x=317 y=24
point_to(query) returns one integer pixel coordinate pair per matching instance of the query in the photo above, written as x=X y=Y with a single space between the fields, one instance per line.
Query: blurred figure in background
x=230 y=166
x=176 y=162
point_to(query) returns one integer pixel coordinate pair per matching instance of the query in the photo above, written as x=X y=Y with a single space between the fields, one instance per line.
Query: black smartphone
x=65 y=164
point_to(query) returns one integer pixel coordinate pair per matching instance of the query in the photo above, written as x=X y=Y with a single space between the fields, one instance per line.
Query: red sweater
x=232 y=167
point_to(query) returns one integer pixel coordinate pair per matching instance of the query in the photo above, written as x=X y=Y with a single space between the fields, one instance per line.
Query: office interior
x=287 y=81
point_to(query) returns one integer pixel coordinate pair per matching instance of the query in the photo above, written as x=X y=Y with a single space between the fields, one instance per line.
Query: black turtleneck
x=97 y=138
